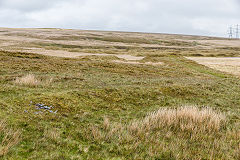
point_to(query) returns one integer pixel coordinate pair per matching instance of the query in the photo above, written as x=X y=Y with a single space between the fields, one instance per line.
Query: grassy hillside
x=106 y=110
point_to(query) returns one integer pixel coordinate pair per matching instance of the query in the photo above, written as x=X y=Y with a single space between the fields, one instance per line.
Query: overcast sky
x=197 y=17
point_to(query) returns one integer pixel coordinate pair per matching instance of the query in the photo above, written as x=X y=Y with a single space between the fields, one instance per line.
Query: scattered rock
x=42 y=108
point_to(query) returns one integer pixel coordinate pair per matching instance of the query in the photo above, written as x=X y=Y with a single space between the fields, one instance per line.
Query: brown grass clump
x=96 y=133
x=184 y=119
x=28 y=80
x=52 y=134
x=32 y=81
x=180 y=131
x=106 y=123
x=10 y=138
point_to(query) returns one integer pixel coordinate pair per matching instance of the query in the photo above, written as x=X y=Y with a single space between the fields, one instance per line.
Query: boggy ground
x=104 y=109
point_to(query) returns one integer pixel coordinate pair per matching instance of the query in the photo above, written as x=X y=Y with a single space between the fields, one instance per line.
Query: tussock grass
x=32 y=81
x=28 y=80
x=8 y=138
x=188 y=118
x=179 y=128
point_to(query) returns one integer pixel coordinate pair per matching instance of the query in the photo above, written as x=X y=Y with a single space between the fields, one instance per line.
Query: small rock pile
x=42 y=108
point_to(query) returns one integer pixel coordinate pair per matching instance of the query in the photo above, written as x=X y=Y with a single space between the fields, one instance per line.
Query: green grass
x=87 y=90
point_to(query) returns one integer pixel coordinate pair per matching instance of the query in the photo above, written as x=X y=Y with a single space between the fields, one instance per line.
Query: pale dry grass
x=52 y=134
x=68 y=54
x=32 y=81
x=187 y=119
x=180 y=130
x=225 y=64
x=106 y=123
x=10 y=138
x=28 y=80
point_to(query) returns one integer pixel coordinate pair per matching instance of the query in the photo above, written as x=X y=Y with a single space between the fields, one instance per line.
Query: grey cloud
x=202 y=17
x=28 y=5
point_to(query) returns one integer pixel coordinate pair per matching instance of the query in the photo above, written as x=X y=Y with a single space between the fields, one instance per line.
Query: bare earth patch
x=226 y=64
